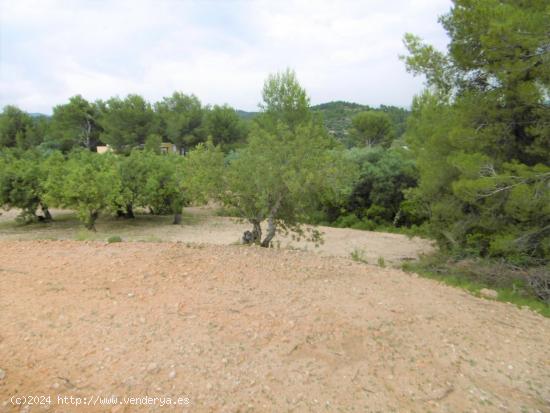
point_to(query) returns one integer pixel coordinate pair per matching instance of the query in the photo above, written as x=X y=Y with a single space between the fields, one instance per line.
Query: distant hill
x=337 y=116
x=246 y=115
x=38 y=115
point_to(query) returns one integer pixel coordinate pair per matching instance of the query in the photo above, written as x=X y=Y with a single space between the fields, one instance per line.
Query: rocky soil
x=243 y=329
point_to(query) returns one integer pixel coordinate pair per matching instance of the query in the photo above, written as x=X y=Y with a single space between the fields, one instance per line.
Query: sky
x=221 y=51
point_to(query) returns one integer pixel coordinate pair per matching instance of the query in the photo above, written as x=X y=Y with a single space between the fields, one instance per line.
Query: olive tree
x=281 y=178
x=22 y=179
x=86 y=182
x=288 y=168
x=164 y=190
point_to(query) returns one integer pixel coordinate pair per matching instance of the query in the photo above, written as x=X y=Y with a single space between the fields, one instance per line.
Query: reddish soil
x=239 y=329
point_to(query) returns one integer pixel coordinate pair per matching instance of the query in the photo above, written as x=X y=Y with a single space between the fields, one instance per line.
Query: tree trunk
x=254 y=236
x=271 y=225
x=177 y=218
x=90 y=224
x=271 y=230
x=256 y=232
x=129 y=211
x=87 y=133
x=46 y=212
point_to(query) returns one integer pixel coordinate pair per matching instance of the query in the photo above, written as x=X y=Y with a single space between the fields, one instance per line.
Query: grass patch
x=66 y=226
x=114 y=238
x=365 y=224
x=473 y=275
x=359 y=256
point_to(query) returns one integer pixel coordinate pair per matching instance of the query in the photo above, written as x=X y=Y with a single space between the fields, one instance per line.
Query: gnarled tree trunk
x=271 y=230
x=271 y=225
x=254 y=236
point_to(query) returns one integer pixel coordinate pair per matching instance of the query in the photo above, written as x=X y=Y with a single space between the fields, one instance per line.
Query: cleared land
x=203 y=226
x=240 y=329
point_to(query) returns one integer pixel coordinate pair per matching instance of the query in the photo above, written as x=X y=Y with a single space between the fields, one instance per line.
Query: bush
x=114 y=238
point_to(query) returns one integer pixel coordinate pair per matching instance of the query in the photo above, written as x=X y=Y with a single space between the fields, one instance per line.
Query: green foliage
x=126 y=122
x=113 y=239
x=378 y=191
x=152 y=143
x=289 y=166
x=134 y=171
x=359 y=256
x=372 y=128
x=75 y=124
x=384 y=177
x=22 y=179
x=284 y=100
x=204 y=170
x=523 y=287
x=182 y=118
x=87 y=183
x=480 y=134
x=351 y=220
x=337 y=117
x=225 y=127
x=17 y=129
x=283 y=177
x=164 y=187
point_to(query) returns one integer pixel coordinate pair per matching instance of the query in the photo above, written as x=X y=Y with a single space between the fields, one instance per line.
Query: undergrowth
x=520 y=286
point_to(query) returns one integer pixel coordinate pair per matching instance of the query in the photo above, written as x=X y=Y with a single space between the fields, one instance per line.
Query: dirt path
x=239 y=329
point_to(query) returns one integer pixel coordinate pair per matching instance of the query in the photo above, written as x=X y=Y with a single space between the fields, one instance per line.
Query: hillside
x=337 y=116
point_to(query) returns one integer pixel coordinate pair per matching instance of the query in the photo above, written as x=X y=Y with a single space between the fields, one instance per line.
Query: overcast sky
x=219 y=50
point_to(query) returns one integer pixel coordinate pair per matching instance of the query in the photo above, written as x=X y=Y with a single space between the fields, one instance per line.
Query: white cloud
x=221 y=51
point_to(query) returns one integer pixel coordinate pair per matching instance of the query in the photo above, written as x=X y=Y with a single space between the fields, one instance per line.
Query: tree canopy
x=182 y=118
x=284 y=100
x=16 y=129
x=372 y=128
x=126 y=122
x=481 y=132
x=224 y=126
x=75 y=124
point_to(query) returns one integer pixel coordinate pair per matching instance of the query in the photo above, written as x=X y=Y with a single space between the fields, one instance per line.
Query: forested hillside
x=337 y=116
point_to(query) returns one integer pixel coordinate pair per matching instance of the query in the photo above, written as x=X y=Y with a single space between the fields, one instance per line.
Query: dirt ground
x=244 y=329
x=202 y=225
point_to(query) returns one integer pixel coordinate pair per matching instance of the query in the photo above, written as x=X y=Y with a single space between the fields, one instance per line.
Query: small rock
x=172 y=374
x=130 y=295
x=2 y=374
x=152 y=367
x=487 y=293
